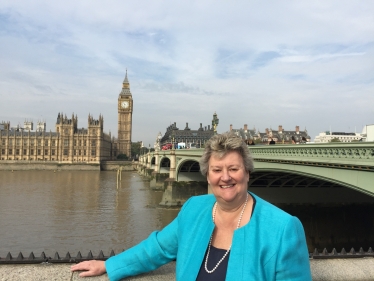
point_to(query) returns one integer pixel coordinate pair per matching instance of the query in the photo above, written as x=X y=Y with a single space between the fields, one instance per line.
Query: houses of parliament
x=70 y=144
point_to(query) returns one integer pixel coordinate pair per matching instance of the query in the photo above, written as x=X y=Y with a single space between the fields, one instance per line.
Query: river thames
x=85 y=210
x=76 y=211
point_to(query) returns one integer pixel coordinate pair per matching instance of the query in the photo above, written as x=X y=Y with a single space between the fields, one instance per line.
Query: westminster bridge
x=329 y=187
x=302 y=173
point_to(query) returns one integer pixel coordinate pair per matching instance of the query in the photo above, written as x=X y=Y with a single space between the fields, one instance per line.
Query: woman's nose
x=225 y=175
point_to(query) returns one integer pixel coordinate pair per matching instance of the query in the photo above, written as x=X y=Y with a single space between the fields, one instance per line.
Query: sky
x=261 y=63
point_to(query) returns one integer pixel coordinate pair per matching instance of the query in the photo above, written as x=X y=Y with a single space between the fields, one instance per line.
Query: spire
x=126 y=81
x=125 y=87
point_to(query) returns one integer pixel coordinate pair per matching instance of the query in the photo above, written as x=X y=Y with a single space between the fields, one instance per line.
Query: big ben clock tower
x=125 y=107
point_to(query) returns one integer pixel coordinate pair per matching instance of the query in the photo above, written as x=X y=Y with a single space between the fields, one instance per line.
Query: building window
x=46 y=143
x=75 y=152
x=10 y=142
x=46 y=152
x=18 y=141
x=75 y=142
x=10 y=151
x=39 y=142
x=17 y=151
x=3 y=142
x=39 y=152
x=93 y=143
x=24 y=152
x=53 y=152
x=66 y=142
x=65 y=152
x=32 y=152
x=84 y=152
x=79 y=152
x=32 y=142
x=3 y=151
x=80 y=143
x=25 y=142
x=93 y=152
x=53 y=143
x=84 y=143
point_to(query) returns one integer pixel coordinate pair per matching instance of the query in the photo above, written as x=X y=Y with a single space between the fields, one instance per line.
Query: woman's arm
x=293 y=258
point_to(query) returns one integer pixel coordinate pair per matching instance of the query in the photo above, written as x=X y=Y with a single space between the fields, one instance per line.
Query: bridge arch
x=358 y=180
x=189 y=170
x=164 y=165
x=291 y=186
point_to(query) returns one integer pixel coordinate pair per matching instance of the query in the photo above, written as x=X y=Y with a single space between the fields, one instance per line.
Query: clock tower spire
x=125 y=108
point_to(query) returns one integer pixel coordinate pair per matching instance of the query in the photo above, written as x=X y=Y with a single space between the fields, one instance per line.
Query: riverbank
x=354 y=269
x=21 y=165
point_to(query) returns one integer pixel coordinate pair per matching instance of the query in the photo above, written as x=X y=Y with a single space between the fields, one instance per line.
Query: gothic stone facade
x=125 y=108
x=68 y=144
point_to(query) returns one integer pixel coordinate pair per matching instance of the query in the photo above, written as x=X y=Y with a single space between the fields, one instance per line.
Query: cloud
x=289 y=63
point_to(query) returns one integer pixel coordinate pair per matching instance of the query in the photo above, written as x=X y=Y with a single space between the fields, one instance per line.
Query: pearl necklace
x=211 y=237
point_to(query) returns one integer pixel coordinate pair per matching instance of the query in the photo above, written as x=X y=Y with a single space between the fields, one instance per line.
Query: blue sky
x=261 y=63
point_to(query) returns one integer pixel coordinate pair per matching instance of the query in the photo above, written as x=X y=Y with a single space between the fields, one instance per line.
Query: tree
x=258 y=140
x=122 y=157
x=135 y=148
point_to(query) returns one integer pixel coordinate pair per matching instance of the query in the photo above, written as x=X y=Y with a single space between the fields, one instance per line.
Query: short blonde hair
x=220 y=145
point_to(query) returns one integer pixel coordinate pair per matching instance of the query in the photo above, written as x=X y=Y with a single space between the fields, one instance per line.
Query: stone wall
x=48 y=165
x=115 y=165
x=41 y=165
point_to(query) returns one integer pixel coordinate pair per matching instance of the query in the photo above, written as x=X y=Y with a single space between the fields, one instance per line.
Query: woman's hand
x=90 y=268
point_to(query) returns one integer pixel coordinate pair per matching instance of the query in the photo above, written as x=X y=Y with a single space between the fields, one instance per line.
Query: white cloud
x=264 y=64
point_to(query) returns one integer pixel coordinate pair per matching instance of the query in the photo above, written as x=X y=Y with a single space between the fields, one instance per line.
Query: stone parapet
x=354 y=269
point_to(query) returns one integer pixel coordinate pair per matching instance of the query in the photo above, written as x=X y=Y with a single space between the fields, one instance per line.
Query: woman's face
x=227 y=177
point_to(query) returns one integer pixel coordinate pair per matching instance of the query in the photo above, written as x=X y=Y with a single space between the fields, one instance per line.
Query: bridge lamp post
x=171 y=138
x=215 y=122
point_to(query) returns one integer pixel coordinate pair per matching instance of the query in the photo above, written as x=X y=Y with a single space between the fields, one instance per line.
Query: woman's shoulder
x=200 y=200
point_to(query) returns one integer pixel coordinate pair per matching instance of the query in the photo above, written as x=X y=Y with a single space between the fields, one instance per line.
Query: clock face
x=125 y=104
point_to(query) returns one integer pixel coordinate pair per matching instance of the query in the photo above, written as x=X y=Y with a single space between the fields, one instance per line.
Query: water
x=76 y=211
x=84 y=210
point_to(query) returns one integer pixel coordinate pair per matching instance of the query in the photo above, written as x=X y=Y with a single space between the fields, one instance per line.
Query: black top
x=219 y=274
x=215 y=255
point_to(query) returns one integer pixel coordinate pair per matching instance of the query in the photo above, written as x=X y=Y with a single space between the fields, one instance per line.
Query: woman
x=230 y=235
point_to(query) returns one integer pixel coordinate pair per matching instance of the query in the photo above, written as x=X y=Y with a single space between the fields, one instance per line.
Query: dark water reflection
x=76 y=211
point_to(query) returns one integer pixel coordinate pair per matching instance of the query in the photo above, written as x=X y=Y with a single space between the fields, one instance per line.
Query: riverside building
x=67 y=144
x=188 y=136
x=279 y=136
x=70 y=143
x=327 y=136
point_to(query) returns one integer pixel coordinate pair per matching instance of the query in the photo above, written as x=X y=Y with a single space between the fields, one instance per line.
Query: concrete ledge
x=48 y=272
x=355 y=269
x=343 y=269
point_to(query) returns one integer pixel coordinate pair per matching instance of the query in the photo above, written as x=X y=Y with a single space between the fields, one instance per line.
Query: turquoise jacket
x=271 y=246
